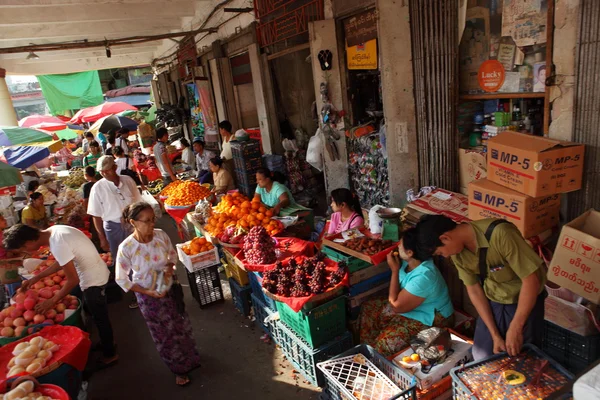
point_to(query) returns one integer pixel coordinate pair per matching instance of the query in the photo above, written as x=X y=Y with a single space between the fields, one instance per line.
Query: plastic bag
x=314 y=153
x=375 y=221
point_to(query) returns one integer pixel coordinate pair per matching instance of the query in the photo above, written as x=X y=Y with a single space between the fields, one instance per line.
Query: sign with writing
x=361 y=28
x=363 y=56
x=525 y=21
x=491 y=75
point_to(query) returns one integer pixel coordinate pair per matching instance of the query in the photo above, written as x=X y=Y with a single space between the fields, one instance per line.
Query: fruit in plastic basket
x=25 y=390
x=32 y=356
x=259 y=247
x=196 y=246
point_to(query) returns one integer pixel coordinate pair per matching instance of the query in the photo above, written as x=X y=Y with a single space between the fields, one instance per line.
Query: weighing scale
x=391 y=223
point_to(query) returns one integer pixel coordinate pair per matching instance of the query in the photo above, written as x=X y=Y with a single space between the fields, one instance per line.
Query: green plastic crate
x=354 y=264
x=318 y=325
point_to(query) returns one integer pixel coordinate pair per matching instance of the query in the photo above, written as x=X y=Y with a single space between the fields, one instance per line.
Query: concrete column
x=8 y=117
x=322 y=36
x=398 y=97
x=266 y=130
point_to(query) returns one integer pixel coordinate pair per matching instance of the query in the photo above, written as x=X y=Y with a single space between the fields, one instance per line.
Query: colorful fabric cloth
x=387 y=331
x=171 y=332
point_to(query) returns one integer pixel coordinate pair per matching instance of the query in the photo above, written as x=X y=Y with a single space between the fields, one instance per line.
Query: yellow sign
x=363 y=56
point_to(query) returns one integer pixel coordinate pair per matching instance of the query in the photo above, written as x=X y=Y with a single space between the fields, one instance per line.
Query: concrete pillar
x=8 y=117
x=322 y=36
x=398 y=97
x=258 y=81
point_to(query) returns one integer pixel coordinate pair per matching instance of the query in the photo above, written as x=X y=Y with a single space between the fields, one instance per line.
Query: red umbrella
x=50 y=126
x=93 y=114
x=38 y=119
x=77 y=117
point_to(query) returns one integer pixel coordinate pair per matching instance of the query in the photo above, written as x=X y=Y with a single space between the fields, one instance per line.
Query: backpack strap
x=483 y=267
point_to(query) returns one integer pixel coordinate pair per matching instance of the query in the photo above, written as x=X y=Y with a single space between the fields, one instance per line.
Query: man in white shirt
x=78 y=257
x=108 y=198
x=202 y=158
x=122 y=139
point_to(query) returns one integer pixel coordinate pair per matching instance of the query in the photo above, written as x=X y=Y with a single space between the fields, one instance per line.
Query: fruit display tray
x=373 y=259
x=483 y=379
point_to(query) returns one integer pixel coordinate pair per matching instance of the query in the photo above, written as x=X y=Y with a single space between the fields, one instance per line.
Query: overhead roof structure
x=40 y=22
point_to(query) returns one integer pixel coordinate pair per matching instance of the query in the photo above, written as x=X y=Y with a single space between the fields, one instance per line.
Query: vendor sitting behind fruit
x=34 y=214
x=347 y=213
x=223 y=181
x=418 y=299
x=272 y=193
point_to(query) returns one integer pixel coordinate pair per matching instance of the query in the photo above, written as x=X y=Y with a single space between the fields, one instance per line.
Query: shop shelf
x=392 y=372
x=261 y=312
x=240 y=296
x=318 y=325
x=354 y=264
x=573 y=351
x=205 y=285
x=255 y=279
x=305 y=358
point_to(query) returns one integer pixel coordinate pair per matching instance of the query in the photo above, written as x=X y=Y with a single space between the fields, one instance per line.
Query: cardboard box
x=472 y=167
x=576 y=261
x=452 y=205
x=460 y=355
x=534 y=165
x=532 y=215
x=572 y=316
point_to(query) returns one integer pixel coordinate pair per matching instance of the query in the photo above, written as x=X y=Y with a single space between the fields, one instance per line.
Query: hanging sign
x=491 y=75
x=363 y=56
x=361 y=28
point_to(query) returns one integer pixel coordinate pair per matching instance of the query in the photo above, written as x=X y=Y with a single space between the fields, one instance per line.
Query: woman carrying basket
x=143 y=254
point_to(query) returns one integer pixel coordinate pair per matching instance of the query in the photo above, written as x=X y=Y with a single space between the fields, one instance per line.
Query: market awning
x=13 y=136
x=133 y=99
x=9 y=176
x=25 y=156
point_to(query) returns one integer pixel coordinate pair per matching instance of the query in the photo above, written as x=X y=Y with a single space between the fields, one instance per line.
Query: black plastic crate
x=246 y=190
x=246 y=149
x=573 y=351
x=240 y=296
x=205 y=285
x=246 y=178
x=248 y=164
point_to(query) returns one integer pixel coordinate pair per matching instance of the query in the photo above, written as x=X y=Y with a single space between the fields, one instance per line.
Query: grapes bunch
x=259 y=248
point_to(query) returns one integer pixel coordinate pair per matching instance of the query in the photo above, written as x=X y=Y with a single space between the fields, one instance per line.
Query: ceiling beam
x=94 y=13
x=32 y=32
x=82 y=53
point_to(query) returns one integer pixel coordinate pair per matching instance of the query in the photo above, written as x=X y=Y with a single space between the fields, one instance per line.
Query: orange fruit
x=262 y=209
x=255 y=206
x=260 y=216
x=269 y=213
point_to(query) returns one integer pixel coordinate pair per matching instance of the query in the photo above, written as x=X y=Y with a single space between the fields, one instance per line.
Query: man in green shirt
x=504 y=277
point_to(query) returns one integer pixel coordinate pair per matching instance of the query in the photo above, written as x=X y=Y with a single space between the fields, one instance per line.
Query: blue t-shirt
x=426 y=281
x=271 y=199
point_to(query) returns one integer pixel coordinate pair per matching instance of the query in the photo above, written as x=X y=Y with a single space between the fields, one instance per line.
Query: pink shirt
x=336 y=225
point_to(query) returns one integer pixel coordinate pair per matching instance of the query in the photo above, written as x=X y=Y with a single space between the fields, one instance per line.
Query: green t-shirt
x=271 y=199
x=509 y=258
x=91 y=160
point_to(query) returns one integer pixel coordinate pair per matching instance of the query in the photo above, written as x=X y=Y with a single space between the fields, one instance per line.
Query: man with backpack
x=503 y=275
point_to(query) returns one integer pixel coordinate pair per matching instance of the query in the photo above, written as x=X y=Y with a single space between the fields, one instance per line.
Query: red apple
x=72 y=307
x=16 y=313
x=39 y=285
x=19 y=297
x=57 y=279
x=74 y=302
x=46 y=293
x=50 y=314
x=20 y=306
x=38 y=318
x=29 y=303
x=59 y=318
x=63 y=283
x=48 y=282
x=7 y=332
x=8 y=321
x=19 y=322
x=61 y=273
x=19 y=330
x=28 y=315
x=55 y=287
x=60 y=307
x=49 y=322
x=32 y=293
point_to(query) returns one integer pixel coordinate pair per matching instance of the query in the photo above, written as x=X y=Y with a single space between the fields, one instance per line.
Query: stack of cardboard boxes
x=525 y=177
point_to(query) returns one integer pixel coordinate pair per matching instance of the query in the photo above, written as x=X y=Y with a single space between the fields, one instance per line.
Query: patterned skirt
x=387 y=331
x=171 y=332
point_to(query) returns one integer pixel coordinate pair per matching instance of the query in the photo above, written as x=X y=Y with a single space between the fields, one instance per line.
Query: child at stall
x=347 y=213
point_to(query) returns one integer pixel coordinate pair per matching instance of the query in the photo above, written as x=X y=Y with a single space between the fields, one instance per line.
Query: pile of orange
x=237 y=210
x=184 y=193
x=196 y=246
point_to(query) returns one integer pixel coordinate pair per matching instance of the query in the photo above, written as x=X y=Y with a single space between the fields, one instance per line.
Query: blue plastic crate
x=462 y=392
x=303 y=357
x=240 y=296
x=261 y=312
x=370 y=283
x=255 y=279
x=384 y=365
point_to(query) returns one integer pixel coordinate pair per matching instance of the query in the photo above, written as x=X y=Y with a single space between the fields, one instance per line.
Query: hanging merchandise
x=314 y=153
x=368 y=170
x=325 y=57
x=196 y=120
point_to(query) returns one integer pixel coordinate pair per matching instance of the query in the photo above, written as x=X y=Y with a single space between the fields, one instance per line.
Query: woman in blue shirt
x=418 y=299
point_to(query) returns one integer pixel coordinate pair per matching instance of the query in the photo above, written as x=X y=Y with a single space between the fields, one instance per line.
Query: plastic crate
x=303 y=357
x=489 y=370
x=573 y=351
x=261 y=312
x=245 y=177
x=248 y=163
x=354 y=264
x=232 y=270
x=255 y=279
x=246 y=190
x=246 y=149
x=370 y=283
x=384 y=365
x=318 y=325
x=240 y=296
x=205 y=285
